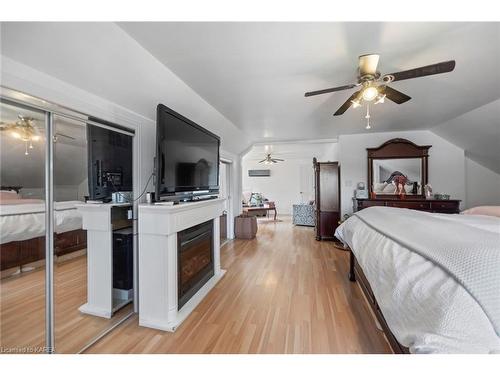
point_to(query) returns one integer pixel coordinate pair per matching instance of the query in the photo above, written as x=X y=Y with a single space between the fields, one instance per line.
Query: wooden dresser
x=448 y=206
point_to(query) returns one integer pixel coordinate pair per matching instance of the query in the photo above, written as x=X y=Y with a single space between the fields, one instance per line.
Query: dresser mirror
x=396 y=165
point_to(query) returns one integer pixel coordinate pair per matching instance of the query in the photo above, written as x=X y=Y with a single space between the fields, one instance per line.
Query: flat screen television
x=187 y=157
x=109 y=162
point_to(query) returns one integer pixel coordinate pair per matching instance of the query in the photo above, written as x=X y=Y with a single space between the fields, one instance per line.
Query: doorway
x=225 y=193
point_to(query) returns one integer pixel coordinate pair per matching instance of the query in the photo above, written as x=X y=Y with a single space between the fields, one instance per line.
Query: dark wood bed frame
x=356 y=274
x=18 y=253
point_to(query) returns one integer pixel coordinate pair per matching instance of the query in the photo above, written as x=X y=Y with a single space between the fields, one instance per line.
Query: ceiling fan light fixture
x=370 y=93
x=355 y=103
x=380 y=99
x=15 y=135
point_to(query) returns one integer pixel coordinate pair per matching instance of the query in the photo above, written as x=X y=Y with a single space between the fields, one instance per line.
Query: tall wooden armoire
x=327 y=198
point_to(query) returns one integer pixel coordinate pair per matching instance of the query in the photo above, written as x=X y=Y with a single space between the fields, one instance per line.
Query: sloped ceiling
x=477 y=132
x=256 y=75
x=102 y=59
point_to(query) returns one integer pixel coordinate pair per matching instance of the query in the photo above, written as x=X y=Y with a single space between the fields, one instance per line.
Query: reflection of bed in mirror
x=22 y=238
x=398 y=166
x=385 y=171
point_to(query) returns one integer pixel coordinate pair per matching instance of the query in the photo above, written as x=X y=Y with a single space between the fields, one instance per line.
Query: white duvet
x=425 y=308
x=19 y=222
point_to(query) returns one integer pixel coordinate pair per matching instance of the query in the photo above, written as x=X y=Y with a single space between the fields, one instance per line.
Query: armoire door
x=327 y=199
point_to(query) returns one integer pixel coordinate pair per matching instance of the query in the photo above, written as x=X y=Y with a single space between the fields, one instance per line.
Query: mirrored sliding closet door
x=84 y=157
x=23 y=203
x=64 y=284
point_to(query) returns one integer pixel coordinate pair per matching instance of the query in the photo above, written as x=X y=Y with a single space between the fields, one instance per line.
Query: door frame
x=230 y=165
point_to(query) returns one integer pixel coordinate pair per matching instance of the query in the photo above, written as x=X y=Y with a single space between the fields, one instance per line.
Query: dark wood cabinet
x=18 y=253
x=327 y=198
x=448 y=206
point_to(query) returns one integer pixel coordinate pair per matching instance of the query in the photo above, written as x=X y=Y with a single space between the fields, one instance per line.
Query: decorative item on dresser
x=327 y=198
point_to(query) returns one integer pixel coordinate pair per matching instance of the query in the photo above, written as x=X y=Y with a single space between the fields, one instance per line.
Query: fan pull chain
x=26 y=148
x=367 y=117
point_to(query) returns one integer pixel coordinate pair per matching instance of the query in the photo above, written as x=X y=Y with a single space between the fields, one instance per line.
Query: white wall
x=446 y=163
x=482 y=185
x=283 y=186
x=291 y=181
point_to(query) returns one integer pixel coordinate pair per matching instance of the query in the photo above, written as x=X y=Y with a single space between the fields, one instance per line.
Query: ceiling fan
x=270 y=160
x=25 y=130
x=374 y=85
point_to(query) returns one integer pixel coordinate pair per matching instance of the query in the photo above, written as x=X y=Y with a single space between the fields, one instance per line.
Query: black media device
x=123 y=259
x=109 y=162
x=187 y=158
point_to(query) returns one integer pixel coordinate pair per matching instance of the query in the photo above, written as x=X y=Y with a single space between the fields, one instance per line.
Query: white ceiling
x=255 y=74
x=102 y=59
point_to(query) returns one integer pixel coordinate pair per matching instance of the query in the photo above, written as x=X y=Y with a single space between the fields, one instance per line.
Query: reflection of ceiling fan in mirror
x=270 y=160
x=26 y=131
x=374 y=86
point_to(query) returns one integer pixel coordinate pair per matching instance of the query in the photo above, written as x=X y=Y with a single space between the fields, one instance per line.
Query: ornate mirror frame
x=399 y=148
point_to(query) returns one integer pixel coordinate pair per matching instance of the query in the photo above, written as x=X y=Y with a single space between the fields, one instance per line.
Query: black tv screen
x=109 y=162
x=187 y=155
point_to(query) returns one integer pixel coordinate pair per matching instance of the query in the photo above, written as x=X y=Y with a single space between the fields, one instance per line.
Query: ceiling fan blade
x=428 y=70
x=262 y=161
x=394 y=95
x=279 y=159
x=368 y=64
x=333 y=89
x=344 y=107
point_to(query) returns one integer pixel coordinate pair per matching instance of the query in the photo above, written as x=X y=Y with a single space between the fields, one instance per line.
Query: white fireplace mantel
x=158 y=227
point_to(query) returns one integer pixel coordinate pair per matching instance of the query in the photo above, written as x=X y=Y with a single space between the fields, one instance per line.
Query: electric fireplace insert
x=195 y=260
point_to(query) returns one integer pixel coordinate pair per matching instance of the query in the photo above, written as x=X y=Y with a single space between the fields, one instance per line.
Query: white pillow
x=390 y=189
x=483 y=210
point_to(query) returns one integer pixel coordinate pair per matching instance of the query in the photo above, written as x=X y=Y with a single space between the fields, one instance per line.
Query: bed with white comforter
x=19 y=222
x=429 y=308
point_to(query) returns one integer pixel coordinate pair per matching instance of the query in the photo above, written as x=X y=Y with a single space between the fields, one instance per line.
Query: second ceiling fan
x=373 y=86
x=269 y=160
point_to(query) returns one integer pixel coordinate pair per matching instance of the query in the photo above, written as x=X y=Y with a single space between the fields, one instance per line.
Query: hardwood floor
x=284 y=292
x=22 y=309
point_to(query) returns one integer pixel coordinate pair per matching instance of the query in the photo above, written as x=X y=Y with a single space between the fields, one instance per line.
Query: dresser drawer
x=411 y=205
x=445 y=206
x=364 y=204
